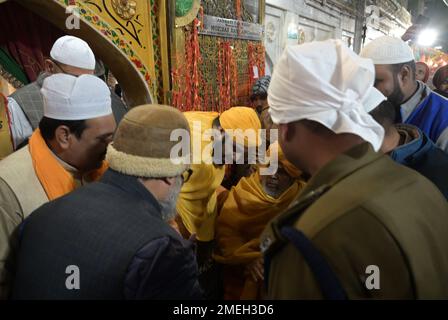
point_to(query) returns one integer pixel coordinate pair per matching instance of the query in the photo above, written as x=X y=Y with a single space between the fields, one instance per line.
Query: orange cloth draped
x=244 y=215
x=55 y=180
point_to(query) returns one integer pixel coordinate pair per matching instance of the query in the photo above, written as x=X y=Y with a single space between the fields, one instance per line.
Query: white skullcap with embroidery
x=74 y=52
x=75 y=98
x=388 y=50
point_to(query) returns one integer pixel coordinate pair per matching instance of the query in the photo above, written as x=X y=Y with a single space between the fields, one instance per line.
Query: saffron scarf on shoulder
x=55 y=180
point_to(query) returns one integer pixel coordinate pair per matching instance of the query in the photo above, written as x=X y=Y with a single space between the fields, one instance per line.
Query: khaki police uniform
x=362 y=210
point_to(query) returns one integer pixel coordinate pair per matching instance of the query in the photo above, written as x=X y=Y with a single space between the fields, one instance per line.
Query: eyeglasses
x=186 y=175
x=62 y=69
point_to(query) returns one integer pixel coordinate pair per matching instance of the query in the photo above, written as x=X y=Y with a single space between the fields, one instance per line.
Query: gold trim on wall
x=164 y=47
x=262 y=12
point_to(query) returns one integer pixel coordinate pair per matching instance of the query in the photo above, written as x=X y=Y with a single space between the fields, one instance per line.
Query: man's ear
x=50 y=66
x=286 y=132
x=406 y=74
x=63 y=137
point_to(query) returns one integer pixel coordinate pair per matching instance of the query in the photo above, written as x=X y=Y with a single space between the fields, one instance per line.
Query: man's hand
x=256 y=270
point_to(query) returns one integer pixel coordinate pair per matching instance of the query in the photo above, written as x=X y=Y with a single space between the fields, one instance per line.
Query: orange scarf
x=55 y=180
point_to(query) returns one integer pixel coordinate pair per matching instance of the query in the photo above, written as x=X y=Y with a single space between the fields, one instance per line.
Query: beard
x=168 y=206
x=397 y=96
x=271 y=190
x=396 y=99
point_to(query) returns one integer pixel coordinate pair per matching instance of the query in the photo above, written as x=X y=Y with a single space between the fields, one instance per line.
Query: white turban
x=75 y=98
x=388 y=50
x=372 y=99
x=325 y=82
x=73 y=52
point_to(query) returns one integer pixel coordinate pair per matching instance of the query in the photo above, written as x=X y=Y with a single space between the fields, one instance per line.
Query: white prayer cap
x=388 y=50
x=373 y=99
x=75 y=98
x=325 y=82
x=74 y=52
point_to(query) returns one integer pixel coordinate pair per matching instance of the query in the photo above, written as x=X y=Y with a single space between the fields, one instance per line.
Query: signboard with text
x=228 y=28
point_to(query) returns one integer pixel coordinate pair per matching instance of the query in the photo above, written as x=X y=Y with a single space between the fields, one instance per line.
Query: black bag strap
x=328 y=281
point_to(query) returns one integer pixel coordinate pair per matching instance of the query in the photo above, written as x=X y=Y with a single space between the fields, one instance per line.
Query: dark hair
x=316 y=127
x=440 y=76
x=385 y=114
x=396 y=68
x=48 y=126
x=262 y=95
x=118 y=90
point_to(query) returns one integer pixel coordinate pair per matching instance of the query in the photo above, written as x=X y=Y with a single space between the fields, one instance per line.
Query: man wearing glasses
x=69 y=55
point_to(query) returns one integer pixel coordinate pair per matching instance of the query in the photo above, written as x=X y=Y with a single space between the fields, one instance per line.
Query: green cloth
x=183 y=7
x=12 y=67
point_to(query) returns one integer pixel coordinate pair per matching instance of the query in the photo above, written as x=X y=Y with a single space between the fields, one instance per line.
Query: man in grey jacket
x=69 y=55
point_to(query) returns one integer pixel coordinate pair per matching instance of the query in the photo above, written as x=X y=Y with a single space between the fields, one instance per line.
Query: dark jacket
x=442 y=93
x=422 y=155
x=112 y=231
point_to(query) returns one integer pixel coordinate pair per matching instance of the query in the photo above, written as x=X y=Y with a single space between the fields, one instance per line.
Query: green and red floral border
x=114 y=37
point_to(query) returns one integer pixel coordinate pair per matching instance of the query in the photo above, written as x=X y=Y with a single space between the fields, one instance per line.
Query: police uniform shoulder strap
x=273 y=238
x=326 y=278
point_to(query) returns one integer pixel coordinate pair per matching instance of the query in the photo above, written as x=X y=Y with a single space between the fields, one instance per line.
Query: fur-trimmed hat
x=142 y=144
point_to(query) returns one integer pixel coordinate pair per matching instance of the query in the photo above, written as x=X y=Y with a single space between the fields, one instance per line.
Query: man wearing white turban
x=360 y=226
x=65 y=152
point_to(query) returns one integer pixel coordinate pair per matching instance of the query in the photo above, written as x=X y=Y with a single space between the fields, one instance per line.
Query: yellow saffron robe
x=197 y=202
x=245 y=213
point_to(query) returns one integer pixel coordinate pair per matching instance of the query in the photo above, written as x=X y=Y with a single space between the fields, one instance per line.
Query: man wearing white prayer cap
x=361 y=214
x=69 y=55
x=408 y=145
x=415 y=102
x=65 y=152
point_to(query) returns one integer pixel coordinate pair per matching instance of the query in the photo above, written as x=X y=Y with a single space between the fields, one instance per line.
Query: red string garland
x=227 y=76
x=256 y=58
x=238 y=10
x=187 y=78
x=190 y=89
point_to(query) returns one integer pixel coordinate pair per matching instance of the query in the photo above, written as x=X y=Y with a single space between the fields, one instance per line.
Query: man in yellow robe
x=197 y=202
x=246 y=210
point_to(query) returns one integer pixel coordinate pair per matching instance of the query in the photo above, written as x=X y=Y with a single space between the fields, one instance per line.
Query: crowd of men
x=95 y=205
